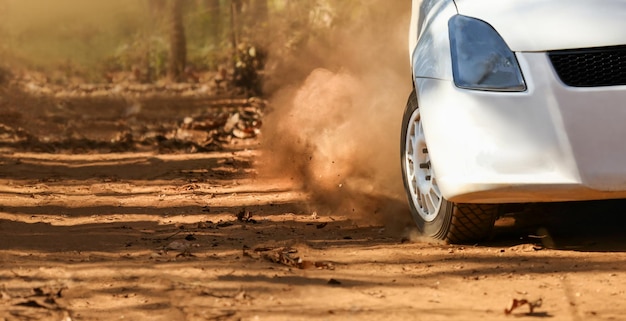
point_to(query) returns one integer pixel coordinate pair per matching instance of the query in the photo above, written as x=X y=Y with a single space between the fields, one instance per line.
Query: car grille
x=591 y=67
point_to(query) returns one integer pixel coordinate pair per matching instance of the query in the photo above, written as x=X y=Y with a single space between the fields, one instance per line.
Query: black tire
x=450 y=222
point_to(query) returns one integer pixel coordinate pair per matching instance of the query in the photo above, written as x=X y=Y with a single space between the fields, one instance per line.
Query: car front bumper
x=549 y=143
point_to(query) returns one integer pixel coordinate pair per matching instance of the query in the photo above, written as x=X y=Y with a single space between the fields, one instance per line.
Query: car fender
x=431 y=54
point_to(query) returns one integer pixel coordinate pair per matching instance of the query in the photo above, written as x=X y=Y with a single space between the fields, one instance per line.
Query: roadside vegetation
x=149 y=41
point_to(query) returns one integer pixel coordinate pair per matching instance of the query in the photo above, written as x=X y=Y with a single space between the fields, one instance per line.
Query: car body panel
x=549 y=143
x=543 y=25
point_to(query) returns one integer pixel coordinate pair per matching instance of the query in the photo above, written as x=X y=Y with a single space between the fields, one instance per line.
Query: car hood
x=541 y=25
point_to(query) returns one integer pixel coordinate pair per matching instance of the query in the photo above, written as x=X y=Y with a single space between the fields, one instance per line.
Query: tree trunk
x=215 y=20
x=235 y=10
x=178 y=43
x=238 y=5
x=157 y=7
x=259 y=11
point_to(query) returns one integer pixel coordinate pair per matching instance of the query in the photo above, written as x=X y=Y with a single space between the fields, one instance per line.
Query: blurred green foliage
x=86 y=39
x=43 y=35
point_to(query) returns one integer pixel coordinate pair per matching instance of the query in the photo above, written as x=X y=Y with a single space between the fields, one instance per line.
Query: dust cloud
x=336 y=128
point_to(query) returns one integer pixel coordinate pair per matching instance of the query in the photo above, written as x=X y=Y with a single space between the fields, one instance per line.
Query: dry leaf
x=283 y=256
x=518 y=303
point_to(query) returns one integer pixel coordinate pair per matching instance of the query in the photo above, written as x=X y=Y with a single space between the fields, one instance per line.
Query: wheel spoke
x=413 y=183
x=423 y=204
x=411 y=153
x=435 y=189
x=434 y=198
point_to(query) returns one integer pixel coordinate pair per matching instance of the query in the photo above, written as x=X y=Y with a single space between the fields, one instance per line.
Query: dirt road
x=142 y=236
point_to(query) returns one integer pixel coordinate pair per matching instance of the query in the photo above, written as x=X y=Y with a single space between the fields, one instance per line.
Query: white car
x=514 y=101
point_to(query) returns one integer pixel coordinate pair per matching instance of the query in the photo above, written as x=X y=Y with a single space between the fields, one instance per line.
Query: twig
x=169 y=237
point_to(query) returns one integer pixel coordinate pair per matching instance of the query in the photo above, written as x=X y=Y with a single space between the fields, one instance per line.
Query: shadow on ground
x=590 y=226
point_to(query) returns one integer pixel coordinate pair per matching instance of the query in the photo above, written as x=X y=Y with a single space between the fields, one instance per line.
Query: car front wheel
x=435 y=216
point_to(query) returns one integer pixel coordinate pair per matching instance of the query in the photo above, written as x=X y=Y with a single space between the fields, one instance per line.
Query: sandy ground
x=157 y=237
x=145 y=235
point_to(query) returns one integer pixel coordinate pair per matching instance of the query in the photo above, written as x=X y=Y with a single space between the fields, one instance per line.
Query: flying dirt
x=335 y=130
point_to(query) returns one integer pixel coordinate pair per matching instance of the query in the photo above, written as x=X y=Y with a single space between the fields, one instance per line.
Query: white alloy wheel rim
x=423 y=188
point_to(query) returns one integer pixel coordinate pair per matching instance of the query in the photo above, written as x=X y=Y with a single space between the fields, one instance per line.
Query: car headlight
x=480 y=57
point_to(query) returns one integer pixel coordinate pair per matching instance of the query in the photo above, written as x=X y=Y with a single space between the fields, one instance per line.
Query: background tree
x=155 y=39
x=260 y=10
x=157 y=7
x=178 y=42
x=214 y=9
